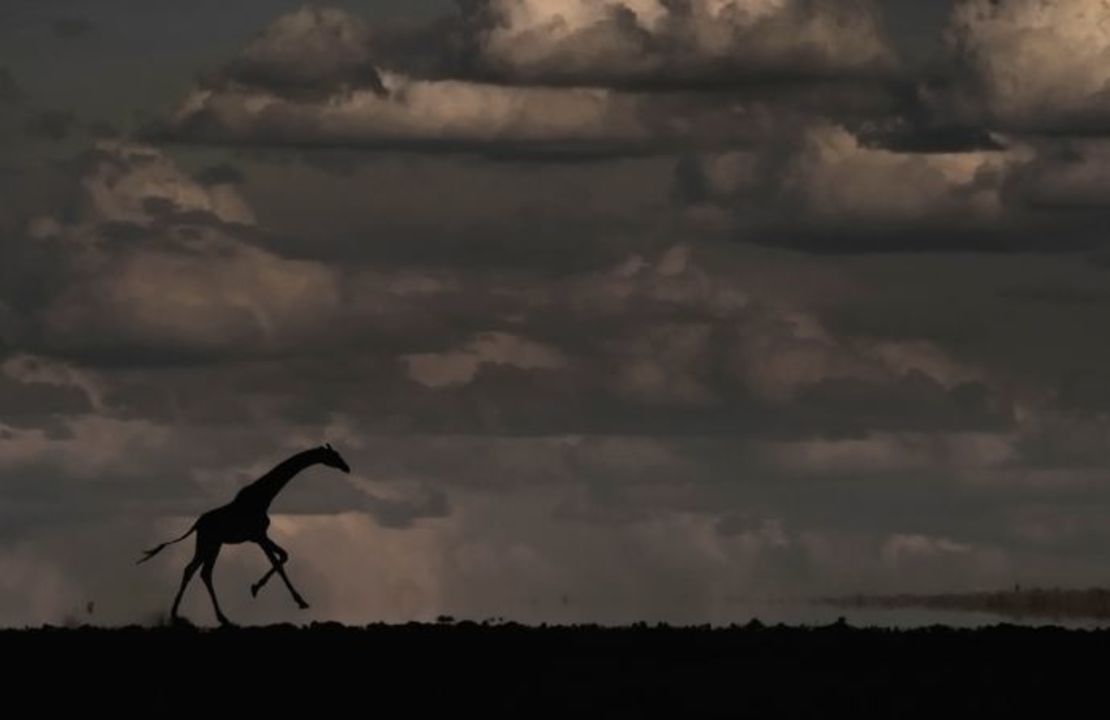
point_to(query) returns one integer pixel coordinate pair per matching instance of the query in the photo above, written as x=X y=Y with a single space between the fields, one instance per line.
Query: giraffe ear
x=327 y=445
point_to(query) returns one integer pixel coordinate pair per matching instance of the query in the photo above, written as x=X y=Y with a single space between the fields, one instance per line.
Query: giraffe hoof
x=302 y=605
x=254 y=590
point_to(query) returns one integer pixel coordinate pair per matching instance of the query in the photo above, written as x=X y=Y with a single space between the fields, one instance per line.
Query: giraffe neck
x=263 y=490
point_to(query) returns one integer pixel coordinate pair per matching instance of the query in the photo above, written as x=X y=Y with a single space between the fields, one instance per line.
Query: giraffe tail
x=148 y=554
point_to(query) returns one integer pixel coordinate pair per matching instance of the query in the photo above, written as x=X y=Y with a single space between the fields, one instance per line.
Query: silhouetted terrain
x=1093 y=603
x=579 y=672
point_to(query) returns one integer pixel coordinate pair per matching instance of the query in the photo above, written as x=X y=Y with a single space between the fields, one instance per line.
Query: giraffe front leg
x=271 y=549
x=255 y=587
x=282 y=558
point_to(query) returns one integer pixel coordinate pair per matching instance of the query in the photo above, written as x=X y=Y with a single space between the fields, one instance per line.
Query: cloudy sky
x=618 y=309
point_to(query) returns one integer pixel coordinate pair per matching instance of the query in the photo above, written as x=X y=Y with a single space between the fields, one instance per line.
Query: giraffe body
x=233 y=524
x=246 y=519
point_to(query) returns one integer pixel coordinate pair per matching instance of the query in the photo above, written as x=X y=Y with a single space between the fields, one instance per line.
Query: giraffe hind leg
x=190 y=569
x=210 y=556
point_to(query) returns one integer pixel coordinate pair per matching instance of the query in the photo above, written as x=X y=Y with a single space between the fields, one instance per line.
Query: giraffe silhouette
x=246 y=519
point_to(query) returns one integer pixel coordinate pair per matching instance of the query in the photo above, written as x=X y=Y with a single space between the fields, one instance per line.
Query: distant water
x=802 y=613
x=810 y=613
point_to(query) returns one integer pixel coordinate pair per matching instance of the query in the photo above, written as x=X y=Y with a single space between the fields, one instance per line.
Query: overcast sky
x=618 y=309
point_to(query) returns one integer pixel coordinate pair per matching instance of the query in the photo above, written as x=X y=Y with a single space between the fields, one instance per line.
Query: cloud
x=41 y=372
x=678 y=44
x=837 y=178
x=98 y=464
x=308 y=79
x=828 y=190
x=670 y=345
x=434 y=115
x=210 y=296
x=1067 y=176
x=884 y=454
x=576 y=391
x=459 y=367
x=614 y=43
x=846 y=386
x=311 y=50
x=311 y=80
x=39 y=405
x=667 y=365
x=401 y=511
x=160 y=265
x=832 y=190
x=127 y=182
x=1038 y=65
x=655 y=345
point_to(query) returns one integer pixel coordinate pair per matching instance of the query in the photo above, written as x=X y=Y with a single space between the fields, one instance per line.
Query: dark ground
x=464 y=668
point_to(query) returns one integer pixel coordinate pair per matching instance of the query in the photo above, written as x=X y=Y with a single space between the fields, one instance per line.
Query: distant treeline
x=1093 y=603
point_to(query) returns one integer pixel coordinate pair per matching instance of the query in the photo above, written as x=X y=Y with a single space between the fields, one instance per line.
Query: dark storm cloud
x=916 y=402
x=40 y=405
x=1057 y=294
x=53 y=125
x=1085 y=391
x=102 y=129
x=635 y=352
x=1067 y=175
x=71 y=28
x=605 y=380
x=223 y=174
x=939 y=139
x=116 y=482
x=156 y=266
x=488 y=217
x=300 y=130
x=10 y=90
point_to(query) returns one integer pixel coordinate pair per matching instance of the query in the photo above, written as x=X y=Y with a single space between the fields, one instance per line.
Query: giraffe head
x=331 y=458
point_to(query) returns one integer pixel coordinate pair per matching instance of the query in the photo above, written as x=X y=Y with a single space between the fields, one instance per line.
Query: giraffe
x=246 y=519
